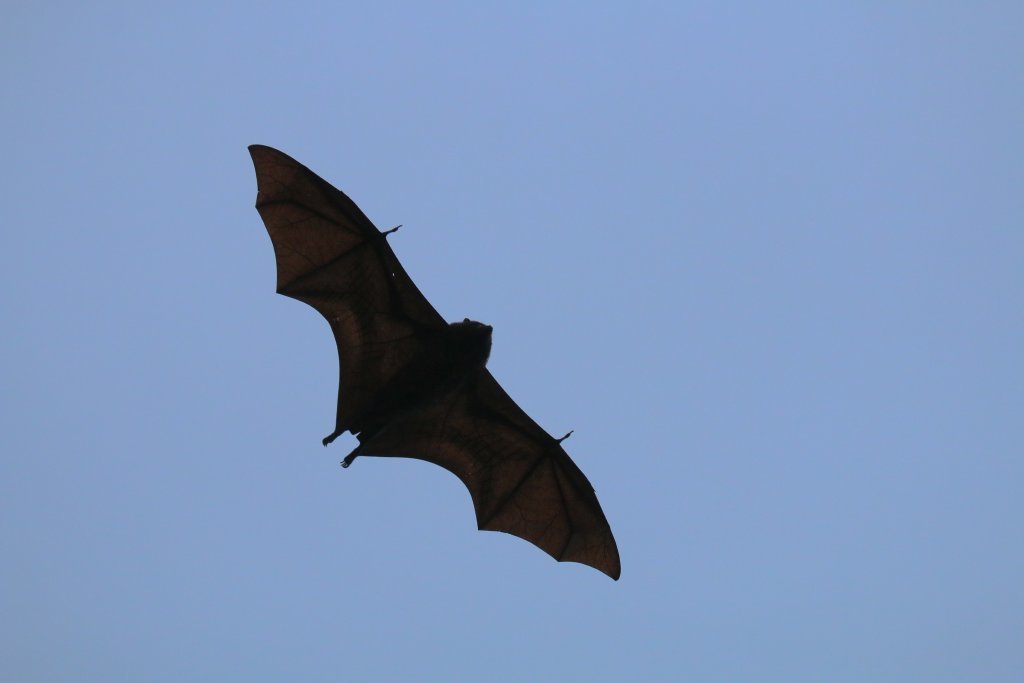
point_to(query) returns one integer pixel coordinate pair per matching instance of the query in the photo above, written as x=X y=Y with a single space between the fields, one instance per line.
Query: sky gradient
x=767 y=262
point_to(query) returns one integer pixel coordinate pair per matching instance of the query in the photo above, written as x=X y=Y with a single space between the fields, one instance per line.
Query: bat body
x=413 y=385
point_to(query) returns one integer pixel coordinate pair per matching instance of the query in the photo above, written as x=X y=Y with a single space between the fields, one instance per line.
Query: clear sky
x=766 y=260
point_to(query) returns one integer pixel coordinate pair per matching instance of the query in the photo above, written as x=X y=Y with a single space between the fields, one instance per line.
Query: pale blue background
x=766 y=259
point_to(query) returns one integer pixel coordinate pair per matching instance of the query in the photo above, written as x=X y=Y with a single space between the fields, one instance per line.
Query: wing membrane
x=330 y=256
x=520 y=478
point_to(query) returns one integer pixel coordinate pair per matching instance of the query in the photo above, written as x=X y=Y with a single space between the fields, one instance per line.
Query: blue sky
x=765 y=261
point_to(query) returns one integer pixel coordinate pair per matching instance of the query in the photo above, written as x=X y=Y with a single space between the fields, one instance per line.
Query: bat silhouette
x=413 y=385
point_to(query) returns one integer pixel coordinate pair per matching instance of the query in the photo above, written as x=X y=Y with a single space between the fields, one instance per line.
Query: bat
x=413 y=385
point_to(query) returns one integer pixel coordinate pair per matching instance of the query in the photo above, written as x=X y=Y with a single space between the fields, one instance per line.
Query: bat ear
x=465 y=320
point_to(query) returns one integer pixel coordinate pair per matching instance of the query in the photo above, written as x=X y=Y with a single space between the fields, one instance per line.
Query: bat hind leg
x=332 y=436
x=363 y=437
x=351 y=456
x=348 y=458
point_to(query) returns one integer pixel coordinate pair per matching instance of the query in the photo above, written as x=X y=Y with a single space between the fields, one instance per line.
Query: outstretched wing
x=521 y=480
x=330 y=256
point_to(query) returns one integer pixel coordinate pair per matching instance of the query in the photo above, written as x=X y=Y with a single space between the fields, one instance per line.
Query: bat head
x=472 y=339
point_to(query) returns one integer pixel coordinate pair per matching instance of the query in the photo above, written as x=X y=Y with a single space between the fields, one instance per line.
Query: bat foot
x=331 y=437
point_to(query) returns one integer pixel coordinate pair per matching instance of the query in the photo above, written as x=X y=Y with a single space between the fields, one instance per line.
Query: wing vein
x=568 y=515
x=508 y=496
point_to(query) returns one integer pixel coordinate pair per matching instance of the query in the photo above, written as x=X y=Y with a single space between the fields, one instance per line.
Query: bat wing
x=521 y=480
x=330 y=256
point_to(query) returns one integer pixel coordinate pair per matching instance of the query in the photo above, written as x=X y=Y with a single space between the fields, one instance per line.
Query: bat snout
x=473 y=325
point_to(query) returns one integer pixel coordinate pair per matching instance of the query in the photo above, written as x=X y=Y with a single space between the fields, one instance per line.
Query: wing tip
x=613 y=571
x=609 y=566
x=255 y=150
x=610 y=569
x=263 y=152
